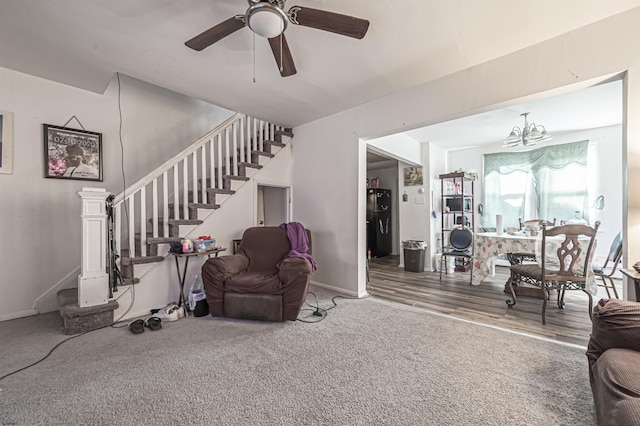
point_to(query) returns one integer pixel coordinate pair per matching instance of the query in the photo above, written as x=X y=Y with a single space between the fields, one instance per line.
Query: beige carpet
x=369 y=362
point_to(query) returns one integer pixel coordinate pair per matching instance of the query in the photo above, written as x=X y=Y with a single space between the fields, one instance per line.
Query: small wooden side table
x=183 y=275
x=630 y=284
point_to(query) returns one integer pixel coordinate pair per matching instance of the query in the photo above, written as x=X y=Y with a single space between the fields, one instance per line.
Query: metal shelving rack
x=457 y=193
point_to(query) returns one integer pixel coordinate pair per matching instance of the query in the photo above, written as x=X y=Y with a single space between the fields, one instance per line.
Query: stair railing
x=166 y=192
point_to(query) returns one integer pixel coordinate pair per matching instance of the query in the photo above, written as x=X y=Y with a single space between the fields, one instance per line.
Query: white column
x=93 y=282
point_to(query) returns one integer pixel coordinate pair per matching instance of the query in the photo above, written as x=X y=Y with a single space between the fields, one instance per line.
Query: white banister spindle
x=176 y=192
x=242 y=141
x=117 y=231
x=131 y=237
x=254 y=135
x=227 y=162
x=143 y=222
x=154 y=208
x=203 y=174
x=185 y=189
x=248 y=138
x=165 y=204
x=219 y=160
x=235 y=148
x=212 y=164
x=194 y=177
x=260 y=134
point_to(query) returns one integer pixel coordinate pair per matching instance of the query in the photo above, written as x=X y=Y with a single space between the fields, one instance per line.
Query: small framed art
x=72 y=153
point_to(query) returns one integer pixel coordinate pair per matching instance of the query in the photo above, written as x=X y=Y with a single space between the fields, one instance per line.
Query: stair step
x=280 y=133
x=227 y=179
x=164 y=240
x=220 y=191
x=185 y=222
x=233 y=177
x=255 y=156
x=129 y=281
x=251 y=165
x=204 y=206
x=212 y=192
x=276 y=143
x=140 y=260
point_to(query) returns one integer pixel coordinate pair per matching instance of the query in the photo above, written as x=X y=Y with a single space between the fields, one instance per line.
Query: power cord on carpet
x=322 y=313
x=51 y=351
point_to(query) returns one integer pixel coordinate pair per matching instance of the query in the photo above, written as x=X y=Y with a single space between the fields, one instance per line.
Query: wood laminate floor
x=484 y=303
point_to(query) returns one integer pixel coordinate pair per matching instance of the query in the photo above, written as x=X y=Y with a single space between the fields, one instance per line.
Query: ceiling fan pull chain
x=254 y=57
x=281 y=66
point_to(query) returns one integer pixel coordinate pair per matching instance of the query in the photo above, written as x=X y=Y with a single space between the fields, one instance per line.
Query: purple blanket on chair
x=299 y=243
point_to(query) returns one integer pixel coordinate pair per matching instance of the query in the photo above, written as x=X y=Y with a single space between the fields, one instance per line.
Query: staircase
x=151 y=213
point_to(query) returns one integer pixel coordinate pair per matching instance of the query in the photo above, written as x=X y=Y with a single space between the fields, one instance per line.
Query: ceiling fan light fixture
x=266 y=20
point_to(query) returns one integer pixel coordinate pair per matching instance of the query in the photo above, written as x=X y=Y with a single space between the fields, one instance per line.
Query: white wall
x=437 y=165
x=596 y=51
x=40 y=218
x=606 y=146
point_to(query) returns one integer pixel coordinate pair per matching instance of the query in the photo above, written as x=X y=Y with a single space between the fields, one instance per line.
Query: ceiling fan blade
x=284 y=61
x=329 y=21
x=216 y=33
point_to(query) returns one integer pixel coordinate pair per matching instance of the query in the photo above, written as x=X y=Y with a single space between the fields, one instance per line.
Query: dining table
x=488 y=245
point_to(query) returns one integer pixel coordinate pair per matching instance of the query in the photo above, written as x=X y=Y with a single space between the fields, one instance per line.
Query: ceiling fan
x=268 y=19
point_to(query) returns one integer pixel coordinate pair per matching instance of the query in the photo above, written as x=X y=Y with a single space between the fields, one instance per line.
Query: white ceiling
x=588 y=108
x=410 y=42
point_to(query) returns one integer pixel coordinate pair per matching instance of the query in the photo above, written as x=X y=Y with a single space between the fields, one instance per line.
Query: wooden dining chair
x=564 y=264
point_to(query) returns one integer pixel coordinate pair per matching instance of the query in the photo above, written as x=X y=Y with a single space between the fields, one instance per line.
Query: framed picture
x=413 y=176
x=72 y=154
x=6 y=142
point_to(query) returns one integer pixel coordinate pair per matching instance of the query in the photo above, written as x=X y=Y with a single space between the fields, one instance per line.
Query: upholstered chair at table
x=606 y=271
x=266 y=280
x=460 y=247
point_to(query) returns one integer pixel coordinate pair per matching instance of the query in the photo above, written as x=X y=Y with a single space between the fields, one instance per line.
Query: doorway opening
x=272 y=205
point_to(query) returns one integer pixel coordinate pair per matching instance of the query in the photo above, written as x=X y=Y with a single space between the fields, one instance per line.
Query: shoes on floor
x=171 y=312
x=136 y=326
x=154 y=323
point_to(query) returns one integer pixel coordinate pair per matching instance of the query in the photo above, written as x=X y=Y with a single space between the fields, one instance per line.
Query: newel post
x=93 y=282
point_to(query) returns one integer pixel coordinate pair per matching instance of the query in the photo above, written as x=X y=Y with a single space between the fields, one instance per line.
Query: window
x=544 y=183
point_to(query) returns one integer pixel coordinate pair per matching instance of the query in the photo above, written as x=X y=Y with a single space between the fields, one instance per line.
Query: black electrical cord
x=50 y=352
x=322 y=312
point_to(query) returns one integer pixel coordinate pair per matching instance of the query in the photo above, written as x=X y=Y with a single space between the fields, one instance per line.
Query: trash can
x=414 y=251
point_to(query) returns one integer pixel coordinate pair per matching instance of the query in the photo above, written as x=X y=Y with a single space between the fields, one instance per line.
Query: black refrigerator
x=379 y=221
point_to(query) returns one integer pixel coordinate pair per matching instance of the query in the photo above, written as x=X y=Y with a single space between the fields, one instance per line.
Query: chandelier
x=529 y=135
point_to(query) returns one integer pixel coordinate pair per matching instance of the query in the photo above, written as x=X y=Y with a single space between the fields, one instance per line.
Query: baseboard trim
x=16 y=315
x=338 y=290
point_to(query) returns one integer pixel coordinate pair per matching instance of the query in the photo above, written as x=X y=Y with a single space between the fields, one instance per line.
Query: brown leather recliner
x=249 y=285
